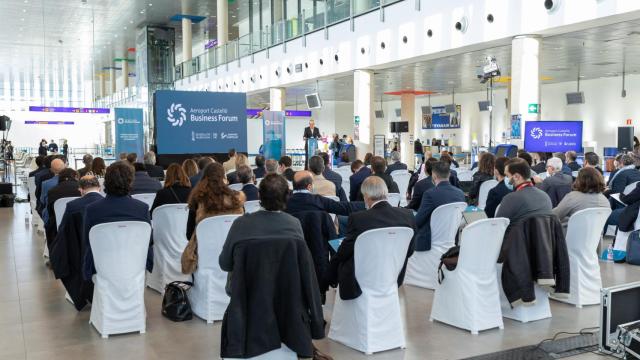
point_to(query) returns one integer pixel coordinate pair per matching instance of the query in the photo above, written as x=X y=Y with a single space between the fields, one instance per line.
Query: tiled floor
x=36 y=322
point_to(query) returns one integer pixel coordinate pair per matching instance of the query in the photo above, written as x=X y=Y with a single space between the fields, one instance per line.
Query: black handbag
x=449 y=260
x=175 y=304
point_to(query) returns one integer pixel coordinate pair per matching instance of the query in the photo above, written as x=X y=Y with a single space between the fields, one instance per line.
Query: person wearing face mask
x=499 y=191
x=526 y=199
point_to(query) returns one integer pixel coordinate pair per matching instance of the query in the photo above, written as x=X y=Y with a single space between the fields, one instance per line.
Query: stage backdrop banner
x=553 y=136
x=441 y=119
x=192 y=122
x=129 y=131
x=273 y=134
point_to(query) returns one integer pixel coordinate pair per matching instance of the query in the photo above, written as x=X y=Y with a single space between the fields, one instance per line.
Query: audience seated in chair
x=273 y=289
x=202 y=163
x=67 y=249
x=190 y=168
x=177 y=188
x=259 y=172
x=284 y=168
x=153 y=170
x=499 y=191
x=246 y=178
x=271 y=167
x=67 y=187
x=592 y=160
x=624 y=175
x=453 y=177
x=241 y=159
x=378 y=166
x=572 y=158
x=86 y=160
x=396 y=165
x=624 y=217
x=344 y=160
x=423 y=185
x=57 y=165
x=211 y=197
x=485 y=172
x=142 y=183
x=526 y=199
x=557 y=184
x=587 y=193
x=116 y=206
x=443 y=193
x=302 y=198
x=360 y=172
x=379 y=215
x=321 y=186
x=333 y=176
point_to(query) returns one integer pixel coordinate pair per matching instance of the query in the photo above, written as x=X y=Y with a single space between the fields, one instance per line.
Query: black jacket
x=478 y=179
x=539 y=167
x=630 y=212
x=176 y=194
x=622 y=179
x=250 y=192
x=274 y=299
x=495 y=198
x=155 y=171
x=388 y=180
x=288 y=174
x=259 y=172
x=311 y=202
x=342 y=270
x=574 y=166
x=356 y=181
x=311 y=134
x=418 y=190
x=534 y=250
x=143 y=184
x=67 y=251
x=64 y=189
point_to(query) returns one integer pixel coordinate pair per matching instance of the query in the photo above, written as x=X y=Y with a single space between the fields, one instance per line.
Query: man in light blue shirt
x=57 y=165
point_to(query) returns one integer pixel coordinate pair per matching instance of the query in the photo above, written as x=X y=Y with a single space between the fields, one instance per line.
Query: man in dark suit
x=422 y=186
x=202 y=163
x=380 y=214
x=499 y=191
x=378 y=166
x=334 y=177
x=143 y=183
x=443 y=193
x=40 y=166
x=303 y=199
x=571 y=157
x=67 y=249
x=310 y=132
x=284 y=168
x=116 y=206
x=557 y=184
x=87 y=160
x=360 y=172
x=259 y=172
x=245 y=177
x=67 y=187
x=153 y=170
x=396 y=165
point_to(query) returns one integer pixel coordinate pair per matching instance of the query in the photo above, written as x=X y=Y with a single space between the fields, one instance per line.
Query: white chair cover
x=208 y=297
x=468 y=297
x=284 y=353
x=169 y=240
x=258 y=181
x=402 y=177
x=372 y=322
x=60 y=206
x=345 y=172
x=120 y=254
x=583 y=237
x=422 y=269
x=145 y=198
x=251 y=206
x=629 y=188
x=466 y=175
x=539 y=310
x=236 y=187
x=575 y=173
x=394 y=199
x=485 y=187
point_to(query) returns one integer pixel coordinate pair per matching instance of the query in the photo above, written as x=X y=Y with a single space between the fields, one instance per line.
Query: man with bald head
x=57 y=165
x=303 y=198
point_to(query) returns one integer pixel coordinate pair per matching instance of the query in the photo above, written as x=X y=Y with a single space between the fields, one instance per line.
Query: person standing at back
x=443 y=193
x=42 y=148
x=53 y=147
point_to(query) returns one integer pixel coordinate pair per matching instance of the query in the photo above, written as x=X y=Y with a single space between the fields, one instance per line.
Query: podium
x=311 y=145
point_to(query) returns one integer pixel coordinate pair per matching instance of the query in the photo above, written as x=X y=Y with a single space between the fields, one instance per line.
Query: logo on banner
x=120 y=121
x=181 y=116
x=536 y=133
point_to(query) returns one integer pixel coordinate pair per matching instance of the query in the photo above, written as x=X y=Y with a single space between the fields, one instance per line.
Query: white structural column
x=525 y=79
x=103 y=85
x=407 y=113
x=112 y=77
x=186 y=39
x=277 y=98
x=222 y=19
x=125 y=72
x=363 y=87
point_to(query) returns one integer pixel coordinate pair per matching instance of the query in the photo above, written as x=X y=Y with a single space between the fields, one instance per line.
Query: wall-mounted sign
x=34 y=122
x=440 y=119
x=254 y=113
x=69 y=109
x=533 y=108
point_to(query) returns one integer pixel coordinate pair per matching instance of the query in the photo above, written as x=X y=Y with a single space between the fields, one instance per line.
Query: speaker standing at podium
x=310 y=132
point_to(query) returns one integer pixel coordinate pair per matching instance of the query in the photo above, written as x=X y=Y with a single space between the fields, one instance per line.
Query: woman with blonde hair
x=241 y=159
x=190 y=167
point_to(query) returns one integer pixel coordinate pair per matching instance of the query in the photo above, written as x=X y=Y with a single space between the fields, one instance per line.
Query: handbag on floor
x=175 y=303
x=449 y=260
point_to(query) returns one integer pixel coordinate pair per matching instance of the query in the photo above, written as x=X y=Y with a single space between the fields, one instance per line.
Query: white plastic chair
x=402 y=178
x=468 y=297
x=373 y=322
x=422 y=269
x=466 y=175
x=120 y=255
x=283 y=353
x=258 y=181
x=251 y=206
x=236 y=187
x=485 y=187
x=583 y=237
x=208 y=297
x=59 y=208
x=540 y=309
x=145 y=198
x=394 y=199
x=169 y=240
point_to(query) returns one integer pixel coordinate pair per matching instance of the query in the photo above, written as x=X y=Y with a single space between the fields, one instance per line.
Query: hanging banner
x=516 y=126
x=439 y=118
x=273 y=134
x=129 y=131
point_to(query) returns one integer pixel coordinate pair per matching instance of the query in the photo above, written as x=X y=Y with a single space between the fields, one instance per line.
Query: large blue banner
x=192 y=122
x=273 y=134
x=553 y=136
x=129 y=131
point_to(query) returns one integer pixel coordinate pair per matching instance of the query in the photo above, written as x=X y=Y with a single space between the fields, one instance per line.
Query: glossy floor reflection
x=36 y=322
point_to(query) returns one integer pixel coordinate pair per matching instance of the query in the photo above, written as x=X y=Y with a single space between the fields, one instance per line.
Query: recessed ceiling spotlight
x=22 y=19
x=116 y=35
x=125 y=28
x=24 y=10
x=142 y=11
x=150 y=4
